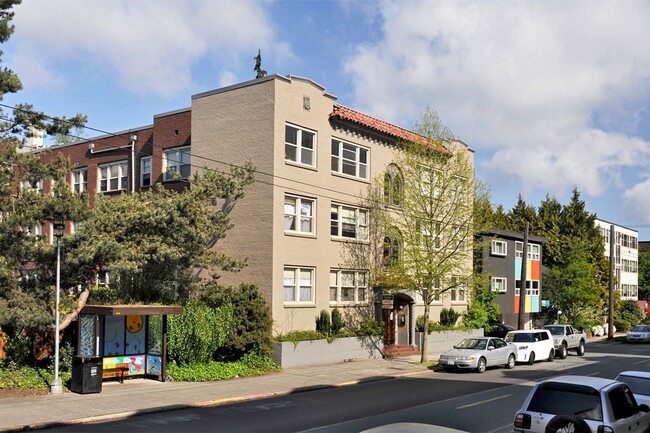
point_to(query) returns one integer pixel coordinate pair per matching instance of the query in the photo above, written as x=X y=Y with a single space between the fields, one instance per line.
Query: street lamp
x=58 y=228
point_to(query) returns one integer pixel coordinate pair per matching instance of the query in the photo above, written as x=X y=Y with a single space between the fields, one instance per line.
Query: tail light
x=605 y=429
x=522 y=420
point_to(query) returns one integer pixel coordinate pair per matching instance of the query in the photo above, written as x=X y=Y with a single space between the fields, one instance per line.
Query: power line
x=216 y=161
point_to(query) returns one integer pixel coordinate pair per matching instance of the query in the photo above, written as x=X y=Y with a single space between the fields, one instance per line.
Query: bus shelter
x=130 y=340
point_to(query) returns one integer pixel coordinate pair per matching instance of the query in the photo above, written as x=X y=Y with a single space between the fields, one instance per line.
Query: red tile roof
x=345 y=113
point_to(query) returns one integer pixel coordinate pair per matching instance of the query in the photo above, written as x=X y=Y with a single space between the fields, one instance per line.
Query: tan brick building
x=314 y=160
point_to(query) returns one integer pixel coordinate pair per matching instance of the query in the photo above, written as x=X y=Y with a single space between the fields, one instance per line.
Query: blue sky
x=552 y=95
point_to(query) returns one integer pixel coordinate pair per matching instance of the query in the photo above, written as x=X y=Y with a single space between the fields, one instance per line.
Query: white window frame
x=532 y=287
x=103 y=278
x=79 y=180
x=458 y=293
x=296 y=283
x=533 y=251
x=361 y=217
x=358 y=286
x=499 y=284
x=428 y=180
x=174 y=162
x=144 y=160
x=346 y=154
x=35 y=229
x=299 y=205
x=300 y=148
x=118 y=171
x=496 y=251
x=27 y=185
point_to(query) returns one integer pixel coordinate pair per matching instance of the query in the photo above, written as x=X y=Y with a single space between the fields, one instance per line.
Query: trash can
x=86 y=374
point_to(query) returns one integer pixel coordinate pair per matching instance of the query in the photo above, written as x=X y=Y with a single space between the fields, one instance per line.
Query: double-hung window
x=428 y=181
x=499 y=284
x=458 y=290
x=145 y=171
x=299 y=215
x=533 y=251
x=177 y=163
x=80 y=180
x=35 y=185
x=430 y=234
x=348 y=286
x=532 y=287
x=299 y=145
x=349 y=222
x=298 y=285
x=499 y=248
x=35 y=229
x=349 y=159
x=113 y=177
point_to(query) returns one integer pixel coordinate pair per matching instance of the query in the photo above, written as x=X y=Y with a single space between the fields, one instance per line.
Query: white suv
x=532 y=345
x=582 y=404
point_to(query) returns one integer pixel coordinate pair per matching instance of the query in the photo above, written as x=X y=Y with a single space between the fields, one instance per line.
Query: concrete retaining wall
x=317 y=352
x=304 y=353
x=442 y=341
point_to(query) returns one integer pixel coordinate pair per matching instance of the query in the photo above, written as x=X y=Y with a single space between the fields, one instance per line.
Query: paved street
x=463 y=400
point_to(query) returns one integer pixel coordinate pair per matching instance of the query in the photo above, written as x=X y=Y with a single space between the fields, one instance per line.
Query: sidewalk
x=140 y=396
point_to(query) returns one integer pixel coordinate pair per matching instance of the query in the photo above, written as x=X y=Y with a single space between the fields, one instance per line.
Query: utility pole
x=522 y=288
x=612 y=249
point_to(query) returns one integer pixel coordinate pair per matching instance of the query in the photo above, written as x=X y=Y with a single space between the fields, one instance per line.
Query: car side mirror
x=644 y=408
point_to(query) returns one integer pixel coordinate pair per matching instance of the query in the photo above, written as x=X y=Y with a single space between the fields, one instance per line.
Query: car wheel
x=562 y=354
x=566 y=423
x=581 y=348
x=551 y=356
x=531 y=358
x=482 y=364
x=511 y=361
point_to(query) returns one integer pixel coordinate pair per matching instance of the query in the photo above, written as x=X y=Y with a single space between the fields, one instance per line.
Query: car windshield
x=638 y=385
x=640 y=328
x=472 y=343
x=555 y=330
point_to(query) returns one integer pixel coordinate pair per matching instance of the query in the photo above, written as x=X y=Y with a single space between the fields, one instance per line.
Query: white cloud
x=551 y=90
x=150 y=46
x=636 y=203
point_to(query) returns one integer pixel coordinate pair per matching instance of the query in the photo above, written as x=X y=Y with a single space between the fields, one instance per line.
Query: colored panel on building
x=535 y=270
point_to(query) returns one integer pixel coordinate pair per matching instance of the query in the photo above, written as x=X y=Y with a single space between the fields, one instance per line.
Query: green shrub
x=622 y=325
x=251 y=326
x=251 y=364
x=371 y=327
x=337 y=321
x=19 y=349
x=419 y=324
x=198 y=333
x=296 y=336
x=323 y=323
x=449 y=317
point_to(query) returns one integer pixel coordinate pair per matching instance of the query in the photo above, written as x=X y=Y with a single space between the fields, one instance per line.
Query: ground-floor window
x=298 y=284
x=348 y=286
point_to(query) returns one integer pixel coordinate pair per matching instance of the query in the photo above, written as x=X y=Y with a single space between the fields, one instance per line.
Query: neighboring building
x=314 y=160
x=626 y=258
x=502 y=259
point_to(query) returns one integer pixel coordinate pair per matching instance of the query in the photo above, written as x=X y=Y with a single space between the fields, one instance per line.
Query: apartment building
x=502 y=258
x=626 y=257
x=314 y=160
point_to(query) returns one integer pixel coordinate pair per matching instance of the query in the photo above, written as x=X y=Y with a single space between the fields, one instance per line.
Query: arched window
x=392 y=248
x=393 y=185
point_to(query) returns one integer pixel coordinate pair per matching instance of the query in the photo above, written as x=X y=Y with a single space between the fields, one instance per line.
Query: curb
x=208 y=403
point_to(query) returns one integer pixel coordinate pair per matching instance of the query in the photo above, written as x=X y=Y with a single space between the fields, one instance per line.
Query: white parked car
x=532 y=345
x=582 y=404
x=639 y=383
x=478 y=354
x=639 y=334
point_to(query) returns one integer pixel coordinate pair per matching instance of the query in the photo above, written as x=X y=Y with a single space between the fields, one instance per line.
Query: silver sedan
x=479 y=353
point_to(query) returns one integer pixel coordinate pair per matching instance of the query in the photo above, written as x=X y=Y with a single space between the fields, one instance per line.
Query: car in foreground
x=582 y=404
x=478 y=354
x=639 y=383
x=532 y=345
x=639 y=334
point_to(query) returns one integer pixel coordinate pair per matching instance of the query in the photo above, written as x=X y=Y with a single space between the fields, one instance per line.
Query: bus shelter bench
x=122 y=370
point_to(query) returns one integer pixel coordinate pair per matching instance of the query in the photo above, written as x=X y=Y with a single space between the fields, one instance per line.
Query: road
x=463 y=400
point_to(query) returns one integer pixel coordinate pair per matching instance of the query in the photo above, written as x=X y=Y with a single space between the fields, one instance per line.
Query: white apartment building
x=626 y=258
